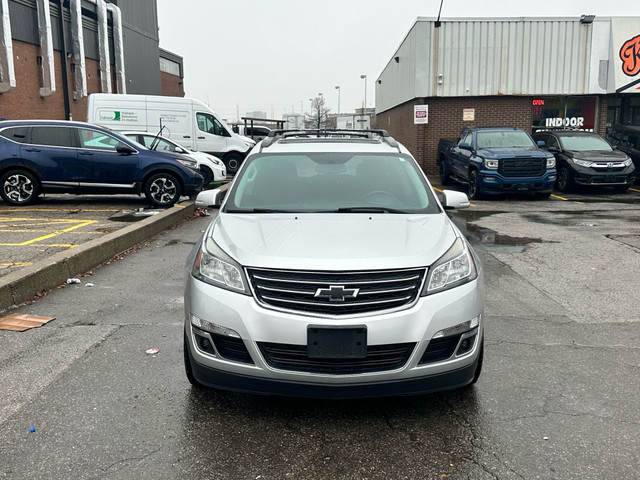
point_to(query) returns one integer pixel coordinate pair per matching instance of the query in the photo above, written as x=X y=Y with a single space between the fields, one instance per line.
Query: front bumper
x=602 y=177
x=257 y=326
x=490 y=181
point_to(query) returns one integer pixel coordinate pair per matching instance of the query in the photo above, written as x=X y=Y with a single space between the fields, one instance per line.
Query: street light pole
x=338 y=88
x=364 y=109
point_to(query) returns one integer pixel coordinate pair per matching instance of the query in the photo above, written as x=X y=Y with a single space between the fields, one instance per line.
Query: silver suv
x=332 y=270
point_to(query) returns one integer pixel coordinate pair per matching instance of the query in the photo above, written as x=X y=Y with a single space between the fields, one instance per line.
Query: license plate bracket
x=337 y=342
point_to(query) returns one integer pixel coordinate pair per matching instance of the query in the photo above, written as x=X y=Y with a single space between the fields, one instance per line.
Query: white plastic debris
x=90 y=285
x=73 y=280
x=152 y=351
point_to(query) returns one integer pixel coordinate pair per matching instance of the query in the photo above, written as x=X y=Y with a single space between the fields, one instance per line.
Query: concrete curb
x=49 y=273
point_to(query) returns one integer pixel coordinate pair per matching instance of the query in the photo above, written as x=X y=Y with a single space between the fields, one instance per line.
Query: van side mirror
x=209 y=198
x=453 y=199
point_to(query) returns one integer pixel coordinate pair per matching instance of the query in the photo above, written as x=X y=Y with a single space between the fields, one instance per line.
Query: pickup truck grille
x=336 y=293
x=522 y=167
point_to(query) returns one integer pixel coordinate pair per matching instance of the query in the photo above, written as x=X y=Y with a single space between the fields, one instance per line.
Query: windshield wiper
x=259 y=210
x=369 y=210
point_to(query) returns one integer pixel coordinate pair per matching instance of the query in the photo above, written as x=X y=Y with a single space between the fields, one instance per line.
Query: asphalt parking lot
x=557 y=398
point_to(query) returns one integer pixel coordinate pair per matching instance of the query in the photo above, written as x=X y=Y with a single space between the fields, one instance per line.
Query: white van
x=187 y=121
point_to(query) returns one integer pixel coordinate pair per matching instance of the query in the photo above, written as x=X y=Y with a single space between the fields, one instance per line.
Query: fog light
x=212 y=327
x=460 y=328
x=489 y=179
x=466 y=345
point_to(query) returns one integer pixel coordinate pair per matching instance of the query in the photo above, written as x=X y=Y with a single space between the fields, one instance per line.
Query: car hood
x=334 y=241
x=599 y=155
x=503 y=152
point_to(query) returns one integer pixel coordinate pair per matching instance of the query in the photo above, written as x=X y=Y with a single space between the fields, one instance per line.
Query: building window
x=169 y=66
x=564 y=112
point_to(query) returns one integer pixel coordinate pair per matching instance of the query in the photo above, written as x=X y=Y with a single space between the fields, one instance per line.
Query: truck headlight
x=213 y=266
x=454 y=268
x=627 y=162
x=491 y=164
x=582 y=163
x=551 y=162
x=188 y=163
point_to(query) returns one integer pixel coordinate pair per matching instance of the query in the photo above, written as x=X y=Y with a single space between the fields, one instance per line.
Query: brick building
x=530 y=73
x=50 y=63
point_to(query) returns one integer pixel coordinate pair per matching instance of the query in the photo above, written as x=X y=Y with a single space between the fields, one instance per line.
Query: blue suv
x=53 y=156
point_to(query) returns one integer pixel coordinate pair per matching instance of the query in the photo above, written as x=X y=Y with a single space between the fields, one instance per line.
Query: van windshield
x=331 y=182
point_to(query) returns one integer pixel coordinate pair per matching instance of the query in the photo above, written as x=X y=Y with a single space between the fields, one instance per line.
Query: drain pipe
x=7 y=72
x=77 y=39
x=103 y=47
x=63 y=63
x=46 y=49
x=121 y=86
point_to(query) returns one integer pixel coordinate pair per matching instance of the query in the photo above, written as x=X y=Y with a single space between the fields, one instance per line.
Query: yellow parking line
x=634 y=190
x=558 y=196
x=56 y=233
x=60 y=210
x=15 y=264
x=437 y=189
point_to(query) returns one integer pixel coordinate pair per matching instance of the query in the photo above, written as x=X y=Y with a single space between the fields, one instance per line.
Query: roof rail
x=275 y=135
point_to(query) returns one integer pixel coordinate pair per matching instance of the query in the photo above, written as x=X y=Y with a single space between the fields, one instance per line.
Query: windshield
x=331 y=182
x=127 y=139
x=511 y=138
x=584 y=143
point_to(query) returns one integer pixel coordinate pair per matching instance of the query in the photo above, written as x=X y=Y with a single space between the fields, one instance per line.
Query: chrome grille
x=336 y=293
x=521 y=167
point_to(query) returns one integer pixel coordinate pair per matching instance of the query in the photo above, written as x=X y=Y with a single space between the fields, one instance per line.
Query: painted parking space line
x=53 y=232
x=634 y=190
x=14 y=264
x=65 y=210
x=566 y=199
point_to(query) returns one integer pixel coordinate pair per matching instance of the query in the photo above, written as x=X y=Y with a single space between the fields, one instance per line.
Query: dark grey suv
x=585 y=158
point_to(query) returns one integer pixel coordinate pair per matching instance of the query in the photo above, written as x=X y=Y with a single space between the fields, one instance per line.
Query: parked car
x=626 y=138
x=585 y=158
x=257 y=132
x=210 y=167
x=494 y=160
x=332 y=270
x=186 y=120
x=53 y=156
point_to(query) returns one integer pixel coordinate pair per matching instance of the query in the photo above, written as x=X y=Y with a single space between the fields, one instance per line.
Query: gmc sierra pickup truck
x=494 y=160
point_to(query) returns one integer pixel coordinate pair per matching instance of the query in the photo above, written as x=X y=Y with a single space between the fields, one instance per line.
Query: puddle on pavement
x=133 y=215
x=572 y=218
x=464 y=220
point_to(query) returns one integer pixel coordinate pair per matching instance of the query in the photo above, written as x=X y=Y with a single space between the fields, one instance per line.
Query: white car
x=333 y=270
x=211 y=168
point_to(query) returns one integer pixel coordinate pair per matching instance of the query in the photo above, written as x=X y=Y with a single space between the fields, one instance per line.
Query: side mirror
x=465 y=146
x=540 y=143
x=453 y=199
x=178 y=149
x=125 y=150
x=209 y=198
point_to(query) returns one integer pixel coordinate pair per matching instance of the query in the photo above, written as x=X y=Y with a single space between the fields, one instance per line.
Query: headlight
x=188 y=163
x=215 y=161
x=213 y=266
x=454 y=268
x=582 y=163
x=491 y=164
x=627 y=162
x=551 y=162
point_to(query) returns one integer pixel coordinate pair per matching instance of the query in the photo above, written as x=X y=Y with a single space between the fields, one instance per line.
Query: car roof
x=67 y=123
x=568 y=133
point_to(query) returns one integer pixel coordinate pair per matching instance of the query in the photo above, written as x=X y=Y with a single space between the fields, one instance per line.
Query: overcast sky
x=275 y=55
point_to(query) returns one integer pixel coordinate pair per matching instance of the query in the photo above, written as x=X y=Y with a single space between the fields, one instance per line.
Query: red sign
x=630 y=56
x=538 y=102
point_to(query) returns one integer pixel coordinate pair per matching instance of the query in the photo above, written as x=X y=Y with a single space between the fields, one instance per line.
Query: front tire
x=208 y=176
x=445 y=176
x=19 y=187
x=232 y=161
x=162 y=189
x=474 y=190
x=564 y=182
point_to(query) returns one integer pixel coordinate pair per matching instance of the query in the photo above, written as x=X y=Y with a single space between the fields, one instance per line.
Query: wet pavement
x=557 y=398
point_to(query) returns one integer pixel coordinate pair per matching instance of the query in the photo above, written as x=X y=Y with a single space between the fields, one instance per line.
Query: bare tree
x=318 y=117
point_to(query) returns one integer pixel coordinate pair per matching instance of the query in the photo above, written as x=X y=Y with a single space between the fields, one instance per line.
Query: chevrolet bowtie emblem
x=337 y=293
